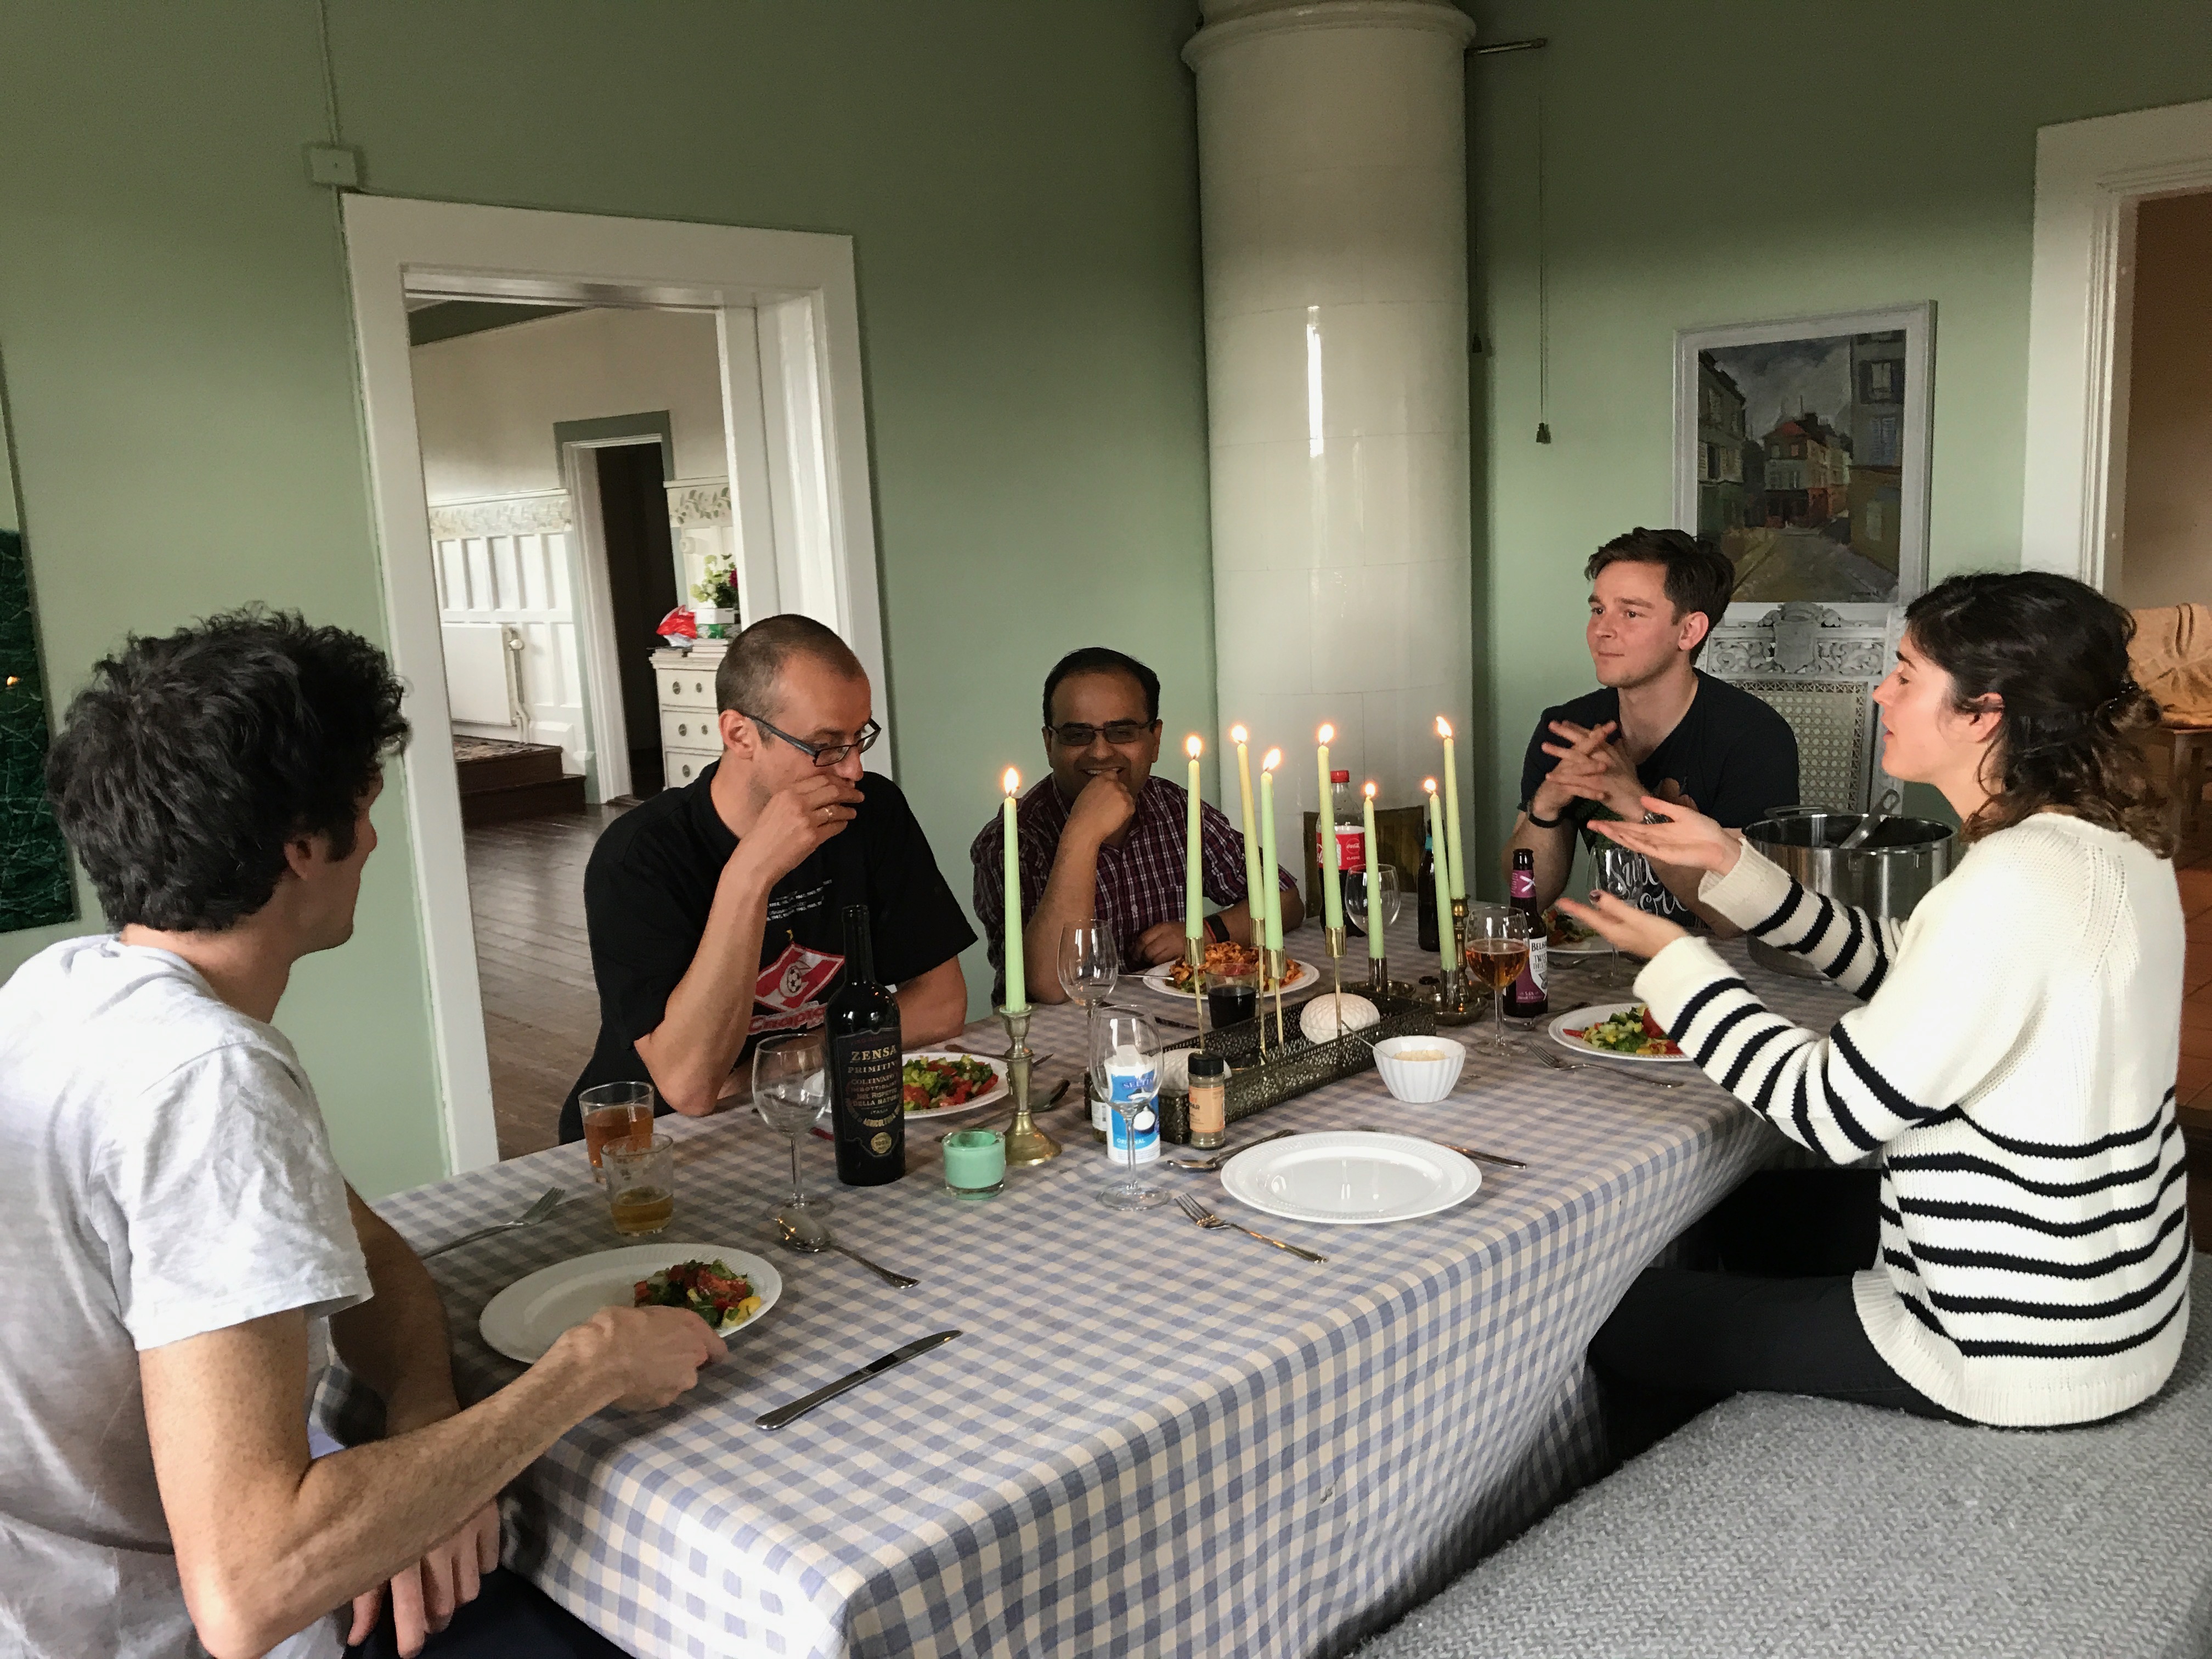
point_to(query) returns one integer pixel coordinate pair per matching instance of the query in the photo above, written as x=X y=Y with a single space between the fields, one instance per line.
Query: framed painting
x=1801 y=447
x=35 y=888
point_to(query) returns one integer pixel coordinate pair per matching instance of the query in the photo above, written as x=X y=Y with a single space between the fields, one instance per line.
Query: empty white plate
x=525 y=1319
x=1349 y=1177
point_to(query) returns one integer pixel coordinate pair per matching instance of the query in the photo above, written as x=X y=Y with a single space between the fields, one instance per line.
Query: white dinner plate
x=996 y=1091
x=1302 y=974
x=1349 y=1177
x=524 y=1320
x=1596 y=1014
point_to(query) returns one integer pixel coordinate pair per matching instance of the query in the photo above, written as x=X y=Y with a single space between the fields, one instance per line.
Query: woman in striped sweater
x=2021 y=1254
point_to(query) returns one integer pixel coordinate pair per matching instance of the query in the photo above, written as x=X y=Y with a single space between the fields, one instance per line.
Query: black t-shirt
x=650 y=882
x=1731 y=754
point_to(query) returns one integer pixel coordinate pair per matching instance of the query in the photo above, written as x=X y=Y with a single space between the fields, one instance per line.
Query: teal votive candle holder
x=975 y=1162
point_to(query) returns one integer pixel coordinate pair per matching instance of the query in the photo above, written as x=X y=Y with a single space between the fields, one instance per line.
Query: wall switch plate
x=336 y=165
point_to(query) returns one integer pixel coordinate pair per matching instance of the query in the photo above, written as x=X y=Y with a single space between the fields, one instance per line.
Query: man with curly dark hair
x=181 y=1246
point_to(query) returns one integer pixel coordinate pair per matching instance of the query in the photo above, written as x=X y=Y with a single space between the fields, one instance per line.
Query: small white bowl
x=1419 y=1082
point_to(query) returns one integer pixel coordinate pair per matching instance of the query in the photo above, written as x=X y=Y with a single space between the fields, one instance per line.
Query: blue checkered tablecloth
x=1150 y=1438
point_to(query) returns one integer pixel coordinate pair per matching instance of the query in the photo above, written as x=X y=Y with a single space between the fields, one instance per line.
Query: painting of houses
x=1802 y=451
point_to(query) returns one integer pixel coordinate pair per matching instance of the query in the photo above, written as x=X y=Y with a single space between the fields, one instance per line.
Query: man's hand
x=1161 y=942
x=1102 y=810
x=425 y=1597
x=1591 y=767
x=650 y=1355
x=1632 y=932
x=795 y=822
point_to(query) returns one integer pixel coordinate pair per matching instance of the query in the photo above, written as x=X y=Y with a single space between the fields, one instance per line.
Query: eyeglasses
x=822 y=754
x=1081 y=736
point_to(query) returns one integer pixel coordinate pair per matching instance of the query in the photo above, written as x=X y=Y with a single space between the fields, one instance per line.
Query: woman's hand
x=1687 y=838
x=1627 y=929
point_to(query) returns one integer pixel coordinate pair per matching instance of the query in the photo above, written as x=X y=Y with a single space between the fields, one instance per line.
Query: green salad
x=1631 y=1031
x=714 y=1291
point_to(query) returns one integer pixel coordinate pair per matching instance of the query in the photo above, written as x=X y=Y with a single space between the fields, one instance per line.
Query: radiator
x=483 y=673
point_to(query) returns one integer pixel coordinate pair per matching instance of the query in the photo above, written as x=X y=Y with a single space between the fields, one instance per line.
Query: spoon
x=1871 y=821
x=813 y=1238
x=530 y=1218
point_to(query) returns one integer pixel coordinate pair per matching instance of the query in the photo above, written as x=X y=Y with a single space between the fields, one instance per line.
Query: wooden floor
x=534 y=964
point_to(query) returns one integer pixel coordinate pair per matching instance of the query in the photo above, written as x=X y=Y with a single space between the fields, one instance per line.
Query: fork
x=1205 y=1217
x=1559 y=1065
x=530 y=1218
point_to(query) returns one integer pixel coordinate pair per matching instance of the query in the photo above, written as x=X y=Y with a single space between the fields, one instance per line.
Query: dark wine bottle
x=1425 y=895
x=1526 y=998
x=867 y=1101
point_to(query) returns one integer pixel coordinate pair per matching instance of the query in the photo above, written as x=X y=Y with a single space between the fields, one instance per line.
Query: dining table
x=1149 y=1437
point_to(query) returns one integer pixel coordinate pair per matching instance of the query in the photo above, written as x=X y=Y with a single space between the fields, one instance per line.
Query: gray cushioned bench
x=1778 y=1525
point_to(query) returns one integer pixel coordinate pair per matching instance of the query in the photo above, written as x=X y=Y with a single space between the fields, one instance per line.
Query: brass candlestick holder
x=1194 y=955
x=1334 y=938
x=1455 y=1006
x=1026 y=1143
x=1378 y=976
x=1273 y=960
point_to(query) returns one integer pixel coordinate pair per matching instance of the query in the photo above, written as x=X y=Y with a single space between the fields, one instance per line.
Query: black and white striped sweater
x=2013 y=1063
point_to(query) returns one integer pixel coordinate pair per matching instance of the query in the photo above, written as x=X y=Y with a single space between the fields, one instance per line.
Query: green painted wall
x=1019 y=180
x=1719 y=160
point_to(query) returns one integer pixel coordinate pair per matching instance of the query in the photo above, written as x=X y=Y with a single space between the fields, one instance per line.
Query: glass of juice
x=1496 y=952
x=614 y=1111
x=640 y=1176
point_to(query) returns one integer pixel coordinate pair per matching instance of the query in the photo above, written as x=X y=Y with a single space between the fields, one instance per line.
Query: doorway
x=791 y=491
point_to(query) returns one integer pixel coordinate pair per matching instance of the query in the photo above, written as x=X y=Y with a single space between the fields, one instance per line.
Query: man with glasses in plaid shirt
x=716 y=911
x=1101 y=837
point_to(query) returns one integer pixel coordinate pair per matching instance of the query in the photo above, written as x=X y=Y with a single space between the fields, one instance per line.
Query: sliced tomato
x=1652 y=1028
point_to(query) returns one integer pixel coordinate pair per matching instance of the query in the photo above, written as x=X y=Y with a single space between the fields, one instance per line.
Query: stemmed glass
x=1497 y=952
x=1125 y=1066
x=1382 y=882
x=1089 y=966
x=791 y=1091
x=1626 y=876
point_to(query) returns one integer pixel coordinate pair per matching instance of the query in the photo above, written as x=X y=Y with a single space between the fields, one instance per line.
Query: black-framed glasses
x=1081 y=736
x=822 y=754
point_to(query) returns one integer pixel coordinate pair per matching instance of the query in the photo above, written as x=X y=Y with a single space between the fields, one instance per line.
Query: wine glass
x=1125 y=1065
x=1089 y=966
x=1383 y=882
x=1496 y=952
x=1627 y=876
x=791 y=1091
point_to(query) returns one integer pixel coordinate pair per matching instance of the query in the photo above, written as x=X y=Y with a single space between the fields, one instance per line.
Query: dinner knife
x=799 y=1408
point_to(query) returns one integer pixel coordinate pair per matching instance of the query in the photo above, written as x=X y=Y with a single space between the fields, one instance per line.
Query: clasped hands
x=1682 y=837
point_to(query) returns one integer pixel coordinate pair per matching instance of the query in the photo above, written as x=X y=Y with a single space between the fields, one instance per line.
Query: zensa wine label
x=868 y=1063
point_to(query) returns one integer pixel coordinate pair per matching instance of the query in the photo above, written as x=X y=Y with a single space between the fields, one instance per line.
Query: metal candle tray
x=1294 y=1067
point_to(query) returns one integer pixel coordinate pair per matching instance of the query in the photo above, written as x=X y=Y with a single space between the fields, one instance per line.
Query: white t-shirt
x=164 y=1172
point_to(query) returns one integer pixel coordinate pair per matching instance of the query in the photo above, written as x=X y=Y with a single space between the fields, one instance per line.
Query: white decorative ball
x=1175 y=1070
x=1318 y=1022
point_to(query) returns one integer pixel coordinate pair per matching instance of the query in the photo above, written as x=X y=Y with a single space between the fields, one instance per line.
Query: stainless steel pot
x=1889 y=875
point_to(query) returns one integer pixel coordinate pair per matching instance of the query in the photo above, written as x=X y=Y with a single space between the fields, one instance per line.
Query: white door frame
x=789 y=296
x=2089 y=177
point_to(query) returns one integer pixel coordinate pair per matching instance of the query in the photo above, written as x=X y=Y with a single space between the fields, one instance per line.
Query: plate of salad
x=1618 y=1030
x=939 y=1082
x=729 y=1287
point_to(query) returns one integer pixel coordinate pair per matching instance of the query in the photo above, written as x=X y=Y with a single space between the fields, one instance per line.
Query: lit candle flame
x=1443 y=726
x=1238 y=734
x=1327 y=735
x=1012 y=783
x=1193 y=745
x=1429 y=784
x=1370 y=789
x=1274 y=760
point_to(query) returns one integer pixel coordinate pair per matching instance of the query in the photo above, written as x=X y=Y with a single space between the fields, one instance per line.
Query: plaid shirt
x=1139 y=882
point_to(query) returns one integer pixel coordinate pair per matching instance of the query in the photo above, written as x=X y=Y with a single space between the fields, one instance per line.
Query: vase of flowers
x=716 y=597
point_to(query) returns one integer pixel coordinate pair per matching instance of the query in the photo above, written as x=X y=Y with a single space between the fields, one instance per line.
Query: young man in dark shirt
x=1656 y=726
x=716 y=911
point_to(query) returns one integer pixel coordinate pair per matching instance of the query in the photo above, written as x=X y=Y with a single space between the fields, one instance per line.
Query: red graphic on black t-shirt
x=790 y=988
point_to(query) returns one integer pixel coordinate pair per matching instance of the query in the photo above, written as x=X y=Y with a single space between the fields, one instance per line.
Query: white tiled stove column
x=1333 y=188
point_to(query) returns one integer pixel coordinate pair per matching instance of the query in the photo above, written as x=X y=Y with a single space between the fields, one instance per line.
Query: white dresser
x=690 y=740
